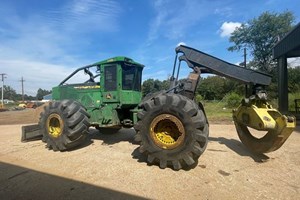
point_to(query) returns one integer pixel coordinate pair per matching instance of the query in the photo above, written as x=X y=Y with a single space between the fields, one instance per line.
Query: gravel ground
x=109 y=166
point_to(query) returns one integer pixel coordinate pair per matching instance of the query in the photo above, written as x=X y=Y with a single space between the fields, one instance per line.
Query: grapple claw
x=261 y=116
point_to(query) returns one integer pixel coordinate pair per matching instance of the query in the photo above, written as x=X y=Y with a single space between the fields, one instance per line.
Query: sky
x=45 y=41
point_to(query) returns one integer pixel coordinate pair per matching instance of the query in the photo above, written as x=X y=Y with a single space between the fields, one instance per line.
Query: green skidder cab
x=104 y=95
x=110 y=91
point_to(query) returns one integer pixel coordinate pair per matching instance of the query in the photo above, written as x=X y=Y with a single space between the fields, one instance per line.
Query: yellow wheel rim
x=55 y=125
x=167 y=131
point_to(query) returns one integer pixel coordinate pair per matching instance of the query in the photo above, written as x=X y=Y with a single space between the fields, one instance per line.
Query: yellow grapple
x=258 y=114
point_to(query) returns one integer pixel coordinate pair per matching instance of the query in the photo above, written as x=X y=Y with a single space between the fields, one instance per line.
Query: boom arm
x=210 y=64
x=254 y=112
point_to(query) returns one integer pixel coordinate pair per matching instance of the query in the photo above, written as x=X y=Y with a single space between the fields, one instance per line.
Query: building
x=287 y=47
x=47 y=97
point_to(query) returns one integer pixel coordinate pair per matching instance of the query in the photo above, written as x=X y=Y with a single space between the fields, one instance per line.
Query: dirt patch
x=26 y=116
x=110 y=166
x=31 y=116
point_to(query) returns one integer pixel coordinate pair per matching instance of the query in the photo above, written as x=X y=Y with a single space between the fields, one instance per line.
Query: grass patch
x=217 y=112
x=292 y=97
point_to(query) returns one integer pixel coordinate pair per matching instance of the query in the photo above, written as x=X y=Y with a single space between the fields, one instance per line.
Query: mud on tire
x=173 y=131
x=64 y=125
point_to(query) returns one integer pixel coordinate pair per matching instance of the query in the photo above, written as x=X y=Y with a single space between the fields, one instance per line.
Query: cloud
x=181 y=43
x=158 y=21
x=42 y=46
x=160 y=75
x=224 y=11
x=294 y=62
x=173 y=21
x=36 y=74
x=92 y=14
x=228 y=27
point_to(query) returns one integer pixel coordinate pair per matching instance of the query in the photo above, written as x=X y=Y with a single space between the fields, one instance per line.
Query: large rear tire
x=64 y=125
x=173 y=131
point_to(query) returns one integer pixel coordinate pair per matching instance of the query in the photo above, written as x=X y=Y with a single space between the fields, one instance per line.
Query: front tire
x=64 y=125
x=173 y=131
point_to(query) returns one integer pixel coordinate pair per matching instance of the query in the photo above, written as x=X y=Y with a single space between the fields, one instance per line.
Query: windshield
x=131 y=77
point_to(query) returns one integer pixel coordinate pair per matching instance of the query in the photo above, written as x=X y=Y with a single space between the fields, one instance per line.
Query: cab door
x=111 y=83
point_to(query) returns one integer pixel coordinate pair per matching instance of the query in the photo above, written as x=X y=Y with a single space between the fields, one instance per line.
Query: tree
x=41 y=93
x=211 y=88
x=148 y=86
x=294 y=77
x=217 y=87
x=234 y=86
x=151 y=86
x=259 y=35
x=9 y=93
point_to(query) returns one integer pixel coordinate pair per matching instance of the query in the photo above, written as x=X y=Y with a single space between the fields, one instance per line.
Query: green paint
x=111 y=99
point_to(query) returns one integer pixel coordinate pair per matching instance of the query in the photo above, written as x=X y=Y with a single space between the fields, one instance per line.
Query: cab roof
x=118 y=59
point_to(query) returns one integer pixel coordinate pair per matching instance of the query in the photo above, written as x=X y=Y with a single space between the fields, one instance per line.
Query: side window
x=131 y=77
x=110 y=74
x=128 y=77
x=138 y=81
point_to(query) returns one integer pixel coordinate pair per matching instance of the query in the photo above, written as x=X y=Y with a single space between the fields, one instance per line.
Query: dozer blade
x=278 y=127
x=31 y=132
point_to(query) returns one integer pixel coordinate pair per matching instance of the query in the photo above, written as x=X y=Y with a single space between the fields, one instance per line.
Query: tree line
x=217 y=87
x=11 y=94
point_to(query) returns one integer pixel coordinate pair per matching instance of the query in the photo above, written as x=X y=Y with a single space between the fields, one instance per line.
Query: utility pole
x=245 y=65
x=22 y=81
x=2 y=99
x=245 y=57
